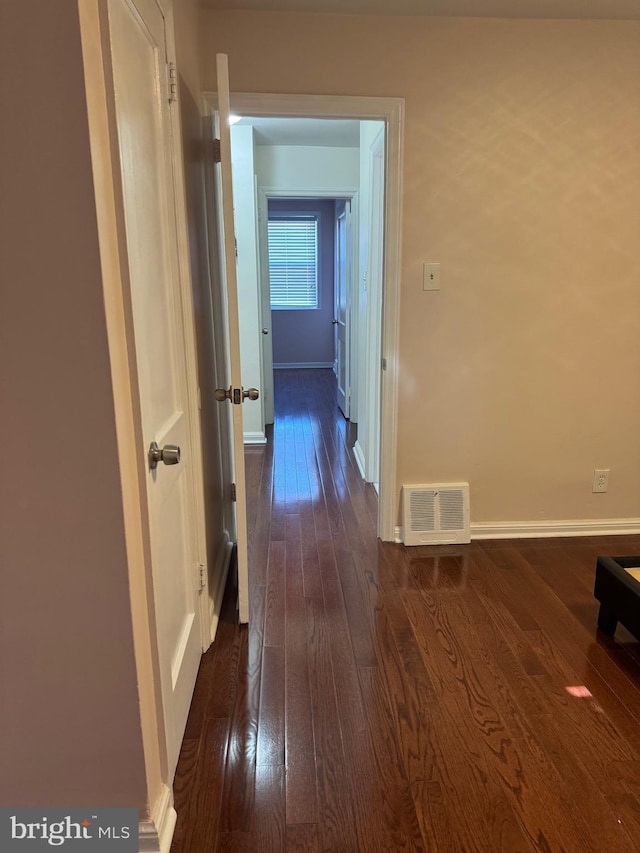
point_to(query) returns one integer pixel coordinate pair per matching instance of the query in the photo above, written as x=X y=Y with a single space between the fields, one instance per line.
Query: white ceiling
x=304 y=131
x=587 y=9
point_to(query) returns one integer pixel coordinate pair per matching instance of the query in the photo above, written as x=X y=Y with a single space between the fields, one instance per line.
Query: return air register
x=436 y=514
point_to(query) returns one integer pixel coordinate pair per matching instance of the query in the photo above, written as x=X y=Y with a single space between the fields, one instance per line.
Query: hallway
x=389 y=699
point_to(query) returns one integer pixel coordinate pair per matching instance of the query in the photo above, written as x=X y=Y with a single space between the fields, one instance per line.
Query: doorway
x=309 y=336
x=390 y=112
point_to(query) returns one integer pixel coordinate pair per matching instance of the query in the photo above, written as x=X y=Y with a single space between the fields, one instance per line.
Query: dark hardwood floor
x=441 y=699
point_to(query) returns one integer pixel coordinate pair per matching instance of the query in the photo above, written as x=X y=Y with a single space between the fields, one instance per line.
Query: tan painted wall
x=69 y=718
x=522 y=178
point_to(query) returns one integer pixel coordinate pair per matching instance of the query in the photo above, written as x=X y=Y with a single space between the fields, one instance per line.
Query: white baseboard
x=254 y=438
x=554 y=529
x=155 y=833
x=359 y=457
x=294 y=365
x=216 y=594
x=548 y=529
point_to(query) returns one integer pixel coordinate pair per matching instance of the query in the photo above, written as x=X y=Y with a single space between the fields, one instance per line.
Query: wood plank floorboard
x=438 y=698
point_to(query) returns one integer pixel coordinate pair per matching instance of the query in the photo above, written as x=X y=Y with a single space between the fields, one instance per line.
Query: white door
x=228 y=282
x=140 y=46
x=262 y=206
x=341 y=307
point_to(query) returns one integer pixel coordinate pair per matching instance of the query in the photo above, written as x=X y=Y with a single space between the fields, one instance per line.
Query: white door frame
x=374 y=317
x=351 y=311
x=157 y=829
x=391 y=111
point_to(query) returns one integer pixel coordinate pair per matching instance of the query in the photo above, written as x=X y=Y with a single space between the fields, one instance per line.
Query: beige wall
x=69 y=717
x=522 y=178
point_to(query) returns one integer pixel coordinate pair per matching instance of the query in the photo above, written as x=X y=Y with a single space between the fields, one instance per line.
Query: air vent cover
x=436 y=514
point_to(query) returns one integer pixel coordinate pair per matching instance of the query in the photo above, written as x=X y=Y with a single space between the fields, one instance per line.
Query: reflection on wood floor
x=387 y=698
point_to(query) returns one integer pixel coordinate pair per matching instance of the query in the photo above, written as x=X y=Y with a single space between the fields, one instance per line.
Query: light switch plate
x=431 y=277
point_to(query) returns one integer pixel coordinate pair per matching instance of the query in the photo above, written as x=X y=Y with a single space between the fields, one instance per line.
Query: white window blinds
x=293 y=262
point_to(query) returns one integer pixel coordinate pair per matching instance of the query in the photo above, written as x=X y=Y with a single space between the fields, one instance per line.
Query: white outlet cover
x=600 y=480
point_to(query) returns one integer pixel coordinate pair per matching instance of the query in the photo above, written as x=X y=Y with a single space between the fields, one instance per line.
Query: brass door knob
x=252 y=394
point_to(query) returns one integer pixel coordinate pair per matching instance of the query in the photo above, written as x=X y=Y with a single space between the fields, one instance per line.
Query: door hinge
x=173 y=83
x=217 y=153
x=384 y=363
x=233 y=492
x=202 y=576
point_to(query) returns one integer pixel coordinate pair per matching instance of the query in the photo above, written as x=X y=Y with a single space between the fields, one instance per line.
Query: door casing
x=374 y=309
x=345 y=365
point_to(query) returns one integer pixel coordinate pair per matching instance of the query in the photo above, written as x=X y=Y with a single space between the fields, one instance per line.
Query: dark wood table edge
x=618 y=593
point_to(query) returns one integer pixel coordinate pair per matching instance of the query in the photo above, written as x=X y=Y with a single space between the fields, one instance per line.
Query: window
x=293 y=261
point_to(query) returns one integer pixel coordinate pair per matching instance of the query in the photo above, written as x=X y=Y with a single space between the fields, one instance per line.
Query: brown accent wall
x=186 y=16
x=210 y=350
x=522 y=179
x=209 y=359
x=69 y=717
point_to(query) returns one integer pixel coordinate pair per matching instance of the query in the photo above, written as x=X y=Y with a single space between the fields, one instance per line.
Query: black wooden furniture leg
x=607 y=621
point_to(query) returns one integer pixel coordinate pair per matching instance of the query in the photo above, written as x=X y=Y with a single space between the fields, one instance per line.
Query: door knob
x=236 y=395
x=334 y=321
x=265 y=331
x=169 y=454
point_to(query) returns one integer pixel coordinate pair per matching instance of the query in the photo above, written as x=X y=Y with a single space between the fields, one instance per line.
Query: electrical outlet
x=600 y=480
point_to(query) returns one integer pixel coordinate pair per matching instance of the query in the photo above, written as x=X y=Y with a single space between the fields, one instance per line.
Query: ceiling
x=586 y=9
x=304 y=131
